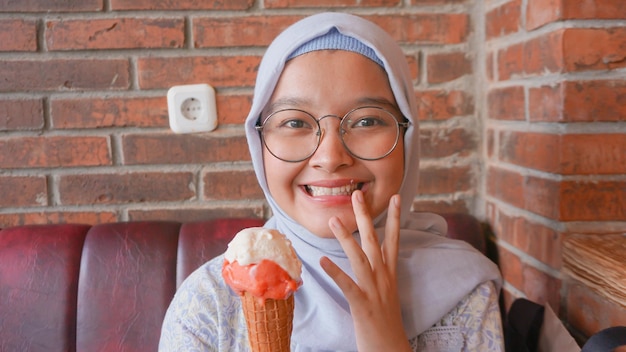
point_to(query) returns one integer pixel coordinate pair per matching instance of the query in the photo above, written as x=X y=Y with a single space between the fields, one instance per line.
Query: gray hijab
x=434 y=273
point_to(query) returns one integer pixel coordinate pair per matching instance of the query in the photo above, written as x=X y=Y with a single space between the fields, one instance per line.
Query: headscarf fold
x=434 y=273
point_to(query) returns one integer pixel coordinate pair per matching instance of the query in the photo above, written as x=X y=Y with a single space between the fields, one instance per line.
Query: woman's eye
x=371 y=121
x=295 y=124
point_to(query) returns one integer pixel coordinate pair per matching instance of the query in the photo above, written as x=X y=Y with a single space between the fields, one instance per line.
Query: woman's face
x=312 y=191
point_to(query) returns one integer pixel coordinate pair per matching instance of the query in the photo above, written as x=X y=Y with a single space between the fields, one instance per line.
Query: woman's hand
x=373 y=299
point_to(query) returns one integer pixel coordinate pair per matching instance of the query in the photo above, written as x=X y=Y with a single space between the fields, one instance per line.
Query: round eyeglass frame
x=319 y=133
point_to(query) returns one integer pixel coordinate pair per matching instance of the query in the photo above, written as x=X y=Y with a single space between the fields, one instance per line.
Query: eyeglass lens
x=368 y=133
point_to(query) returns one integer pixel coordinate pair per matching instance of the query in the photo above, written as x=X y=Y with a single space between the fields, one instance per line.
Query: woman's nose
x=331 y=154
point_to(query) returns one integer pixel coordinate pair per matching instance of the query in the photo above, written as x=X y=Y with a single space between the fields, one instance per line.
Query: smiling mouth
x=344 y=190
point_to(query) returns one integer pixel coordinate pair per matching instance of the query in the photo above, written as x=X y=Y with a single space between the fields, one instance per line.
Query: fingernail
x=396 y=200
x=359 y=196
x=324 y=261
x=333 y=222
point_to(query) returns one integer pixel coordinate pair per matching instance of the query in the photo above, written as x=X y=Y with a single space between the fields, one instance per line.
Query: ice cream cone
x=270 y=322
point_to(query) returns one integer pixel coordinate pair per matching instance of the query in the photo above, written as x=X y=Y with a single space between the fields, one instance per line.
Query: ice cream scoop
x=262 y=262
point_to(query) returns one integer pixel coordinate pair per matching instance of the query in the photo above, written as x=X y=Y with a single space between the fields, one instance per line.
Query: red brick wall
x=555 y=136
x=84 y=133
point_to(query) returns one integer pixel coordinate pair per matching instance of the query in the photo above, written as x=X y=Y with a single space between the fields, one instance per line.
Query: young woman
x=333 y=134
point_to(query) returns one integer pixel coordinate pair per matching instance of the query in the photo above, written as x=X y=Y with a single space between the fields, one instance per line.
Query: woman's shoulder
x=204 y=312
x=205 y=287
x=474 y=305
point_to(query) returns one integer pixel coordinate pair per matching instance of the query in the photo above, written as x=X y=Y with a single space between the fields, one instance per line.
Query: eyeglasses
x=368 y=133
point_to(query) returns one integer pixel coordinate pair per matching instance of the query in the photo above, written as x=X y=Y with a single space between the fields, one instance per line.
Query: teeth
x=345 y=190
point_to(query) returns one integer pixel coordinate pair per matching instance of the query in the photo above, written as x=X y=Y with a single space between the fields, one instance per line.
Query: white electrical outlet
x=191 y=108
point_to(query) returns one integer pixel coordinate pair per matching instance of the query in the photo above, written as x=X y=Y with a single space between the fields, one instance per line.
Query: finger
x=349 y=288
x=369 y=238
x=358 y=260
x=392 y=236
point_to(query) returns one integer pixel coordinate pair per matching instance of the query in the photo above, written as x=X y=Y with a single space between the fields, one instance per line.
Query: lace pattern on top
x=206 y=316
x=440 y=339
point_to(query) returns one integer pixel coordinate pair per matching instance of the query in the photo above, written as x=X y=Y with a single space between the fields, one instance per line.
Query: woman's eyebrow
x=286 y=102
x=303 y=103
x=377 y=101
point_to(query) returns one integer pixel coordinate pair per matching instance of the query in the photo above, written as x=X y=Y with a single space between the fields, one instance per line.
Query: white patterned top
x=205 y=315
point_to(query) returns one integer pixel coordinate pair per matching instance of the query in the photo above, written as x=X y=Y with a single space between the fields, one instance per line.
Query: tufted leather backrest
x=39 y=270
x=100 y=288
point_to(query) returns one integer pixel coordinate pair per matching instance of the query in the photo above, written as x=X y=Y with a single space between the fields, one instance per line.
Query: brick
x=57 y=151
x=586 y=49
x=109 y=112
x=578 y=101
x=21 y=114
x=443 y=142
x=542 y=12
x=542 y=196
x=592 y=201
x=540 y=287
x=597 y=9
x=447 y=67
x=181 y=214
x=183 y=149
x=18 y=35
x=136 y=187
x=231 y=185
x=570 y=154
x=445 y=180
x=440 y=206
x=239 y=31
x=545 y=103
x=537 y=285
x=233 y=109
x=414 y=67
x=181 y=5
x=20 y=191
x=600 y=101
x=443 y=105
x=52 y=217
x=115 y=33
x=511 y=268
x=436 y=2
x=563 y=201
x=544 y=54
x=538 y=195
x=510 y=62
x=537 y=240
x=540 y=55
x=593 y=154
x=47 y=6
x=504 y=19
x=279 y=4
x=506 y=186
x=63 y=74
x=590 y=313
x=425 y=28
x=218 y=71
x=506 y=103
x=538 y=151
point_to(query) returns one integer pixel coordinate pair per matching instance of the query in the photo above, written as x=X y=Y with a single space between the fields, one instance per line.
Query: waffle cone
x=269 y=323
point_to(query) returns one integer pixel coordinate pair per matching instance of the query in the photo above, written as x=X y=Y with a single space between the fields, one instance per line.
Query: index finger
x=392 y=235
x=369 y=237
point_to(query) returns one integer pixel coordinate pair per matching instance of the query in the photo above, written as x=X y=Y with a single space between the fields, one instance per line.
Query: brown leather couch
x=69 y=287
